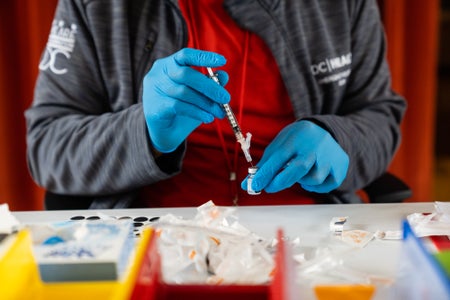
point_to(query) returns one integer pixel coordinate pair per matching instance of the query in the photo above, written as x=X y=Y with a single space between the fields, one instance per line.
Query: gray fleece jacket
x=86 y=132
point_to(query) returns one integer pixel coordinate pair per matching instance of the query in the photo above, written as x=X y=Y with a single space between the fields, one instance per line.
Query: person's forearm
x=91 y=155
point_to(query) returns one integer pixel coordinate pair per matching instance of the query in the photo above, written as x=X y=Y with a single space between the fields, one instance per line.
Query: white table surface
x=310 y=223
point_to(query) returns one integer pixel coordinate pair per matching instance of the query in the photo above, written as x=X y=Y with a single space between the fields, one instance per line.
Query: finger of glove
x=267 y=171
x=284 y=179
x=273 y=150
x=167 y=139
x=198 y=58
x=326 y=186
x=192 y=111
x=284 y=140
x=244 y=184
x=316 y=175
x=223 y=77
x=276 y=157
x=294 y=170
x=340 y=167
x=297 y=167
x=200 y=83
x=198 y=101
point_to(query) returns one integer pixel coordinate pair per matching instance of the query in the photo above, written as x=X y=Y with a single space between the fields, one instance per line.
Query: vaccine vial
x=251 y=173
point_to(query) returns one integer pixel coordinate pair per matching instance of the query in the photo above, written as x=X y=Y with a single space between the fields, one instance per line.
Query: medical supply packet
x=436 y=223
x=8 y=227
x=212 y=248
x=82 y=251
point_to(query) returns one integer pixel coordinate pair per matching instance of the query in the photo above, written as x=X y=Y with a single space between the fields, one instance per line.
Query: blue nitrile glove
x=177 y=98
x=302 y=152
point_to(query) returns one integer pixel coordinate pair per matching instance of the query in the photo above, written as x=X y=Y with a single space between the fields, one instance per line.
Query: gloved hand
x=302 y=152
x=177 y=98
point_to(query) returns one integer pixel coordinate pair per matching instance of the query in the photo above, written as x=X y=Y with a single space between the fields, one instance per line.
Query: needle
x=245 y=142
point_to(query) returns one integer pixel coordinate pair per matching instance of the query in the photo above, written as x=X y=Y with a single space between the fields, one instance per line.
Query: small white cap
x=252 y=170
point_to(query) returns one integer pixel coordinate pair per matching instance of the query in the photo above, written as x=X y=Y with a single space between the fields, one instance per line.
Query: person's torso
x=310 y=41
x=214 y=166
x=313 y=66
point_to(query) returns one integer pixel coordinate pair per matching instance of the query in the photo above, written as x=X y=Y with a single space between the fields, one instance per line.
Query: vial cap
x=252 y=170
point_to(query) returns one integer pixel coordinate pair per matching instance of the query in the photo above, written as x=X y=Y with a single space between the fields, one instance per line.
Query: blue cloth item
x=178 y=98
x=304 y=153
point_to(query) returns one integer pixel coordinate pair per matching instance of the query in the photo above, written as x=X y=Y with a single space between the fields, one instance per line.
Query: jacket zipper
x=183 y=21
x=144 y=61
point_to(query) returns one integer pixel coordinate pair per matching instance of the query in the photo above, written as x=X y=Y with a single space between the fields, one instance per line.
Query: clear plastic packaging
x=212 y=248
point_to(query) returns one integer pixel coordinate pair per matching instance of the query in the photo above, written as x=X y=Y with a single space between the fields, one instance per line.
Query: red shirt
x=261 y=105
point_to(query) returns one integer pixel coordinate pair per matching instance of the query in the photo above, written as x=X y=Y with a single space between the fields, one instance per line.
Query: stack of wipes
x=82 y=251
x=8 y=225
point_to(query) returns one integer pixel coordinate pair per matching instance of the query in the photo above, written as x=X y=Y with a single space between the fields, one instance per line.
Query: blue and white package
x=83 y=251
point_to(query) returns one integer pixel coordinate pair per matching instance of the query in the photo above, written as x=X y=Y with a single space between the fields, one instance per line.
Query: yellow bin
x=19 y=277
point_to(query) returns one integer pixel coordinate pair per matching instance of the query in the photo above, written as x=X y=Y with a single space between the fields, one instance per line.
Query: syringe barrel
x=229 y=113
x=233 y=122
x=230 y=116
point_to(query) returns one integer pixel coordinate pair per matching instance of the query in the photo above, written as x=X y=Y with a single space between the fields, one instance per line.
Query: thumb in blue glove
x=177 y=98
x=303 y=153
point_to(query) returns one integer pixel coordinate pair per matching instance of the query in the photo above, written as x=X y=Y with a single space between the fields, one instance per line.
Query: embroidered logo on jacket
x=60 y=44
x=334 y=69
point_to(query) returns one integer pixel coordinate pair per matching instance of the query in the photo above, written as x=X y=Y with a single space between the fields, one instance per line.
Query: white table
x=308 y=222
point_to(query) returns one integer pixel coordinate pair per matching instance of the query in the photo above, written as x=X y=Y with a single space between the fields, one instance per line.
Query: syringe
x=245 y=143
